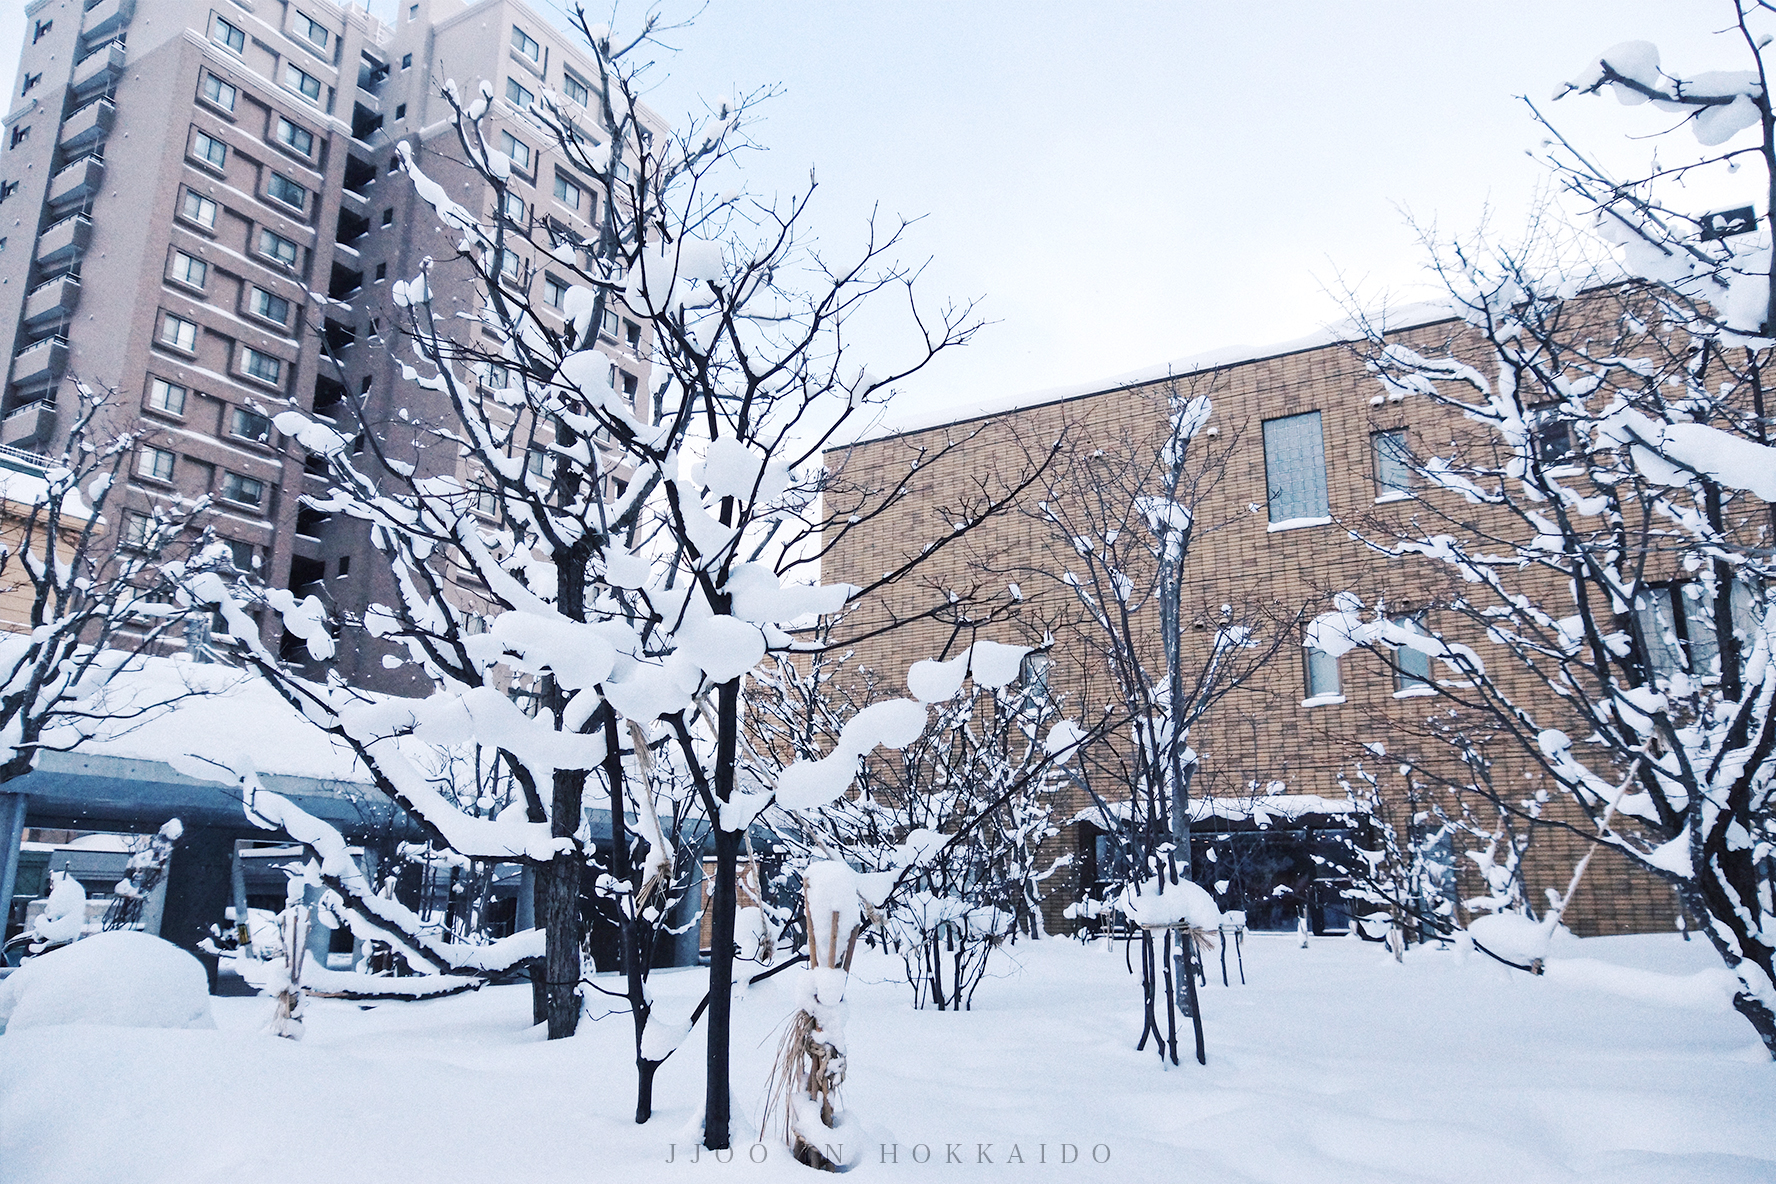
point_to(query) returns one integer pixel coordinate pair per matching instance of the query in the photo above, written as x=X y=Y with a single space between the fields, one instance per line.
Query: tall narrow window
x=1412 y=668
x=1295 y=468
x=1393 y=468
x=1322 y=676
x=1550 y=435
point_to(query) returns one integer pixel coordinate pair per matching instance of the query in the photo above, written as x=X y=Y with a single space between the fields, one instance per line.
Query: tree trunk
x=723 y=902
x=721 y=987
x=560 y=882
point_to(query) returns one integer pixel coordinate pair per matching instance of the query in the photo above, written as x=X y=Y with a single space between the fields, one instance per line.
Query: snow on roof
x=211 y=711
x=887 y=423
x=1262 y=809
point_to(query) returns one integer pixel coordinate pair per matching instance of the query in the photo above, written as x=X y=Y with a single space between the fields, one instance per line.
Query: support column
x=199 y=883
x=12 y=833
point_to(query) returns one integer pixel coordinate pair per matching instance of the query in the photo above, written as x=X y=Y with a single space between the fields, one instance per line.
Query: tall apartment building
x=199 y=209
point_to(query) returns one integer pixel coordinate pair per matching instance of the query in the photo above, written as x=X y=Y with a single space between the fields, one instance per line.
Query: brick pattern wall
x=1261 y=737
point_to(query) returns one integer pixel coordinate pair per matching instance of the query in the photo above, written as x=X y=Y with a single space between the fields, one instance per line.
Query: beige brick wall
x=1260 y=734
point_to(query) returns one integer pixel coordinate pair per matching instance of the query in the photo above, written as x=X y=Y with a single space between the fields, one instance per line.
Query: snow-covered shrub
x=122 y=978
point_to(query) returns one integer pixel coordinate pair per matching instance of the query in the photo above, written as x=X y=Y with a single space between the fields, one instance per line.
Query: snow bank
x=120 y=979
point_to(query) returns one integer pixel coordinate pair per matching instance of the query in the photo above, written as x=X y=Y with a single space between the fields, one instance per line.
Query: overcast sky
x=1125 y=183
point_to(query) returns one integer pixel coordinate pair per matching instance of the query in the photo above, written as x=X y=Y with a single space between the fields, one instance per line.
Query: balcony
x=41 y=361
x=105 y=18
x=34 y=423
x=97 y=70
x=51 y=302
x=88 y=125
x=63 y=242
x=77 y=181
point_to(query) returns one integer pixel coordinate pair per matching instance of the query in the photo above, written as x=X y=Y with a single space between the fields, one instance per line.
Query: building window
x=167 y=397
x=312 y=29
x=244 y=555
x=1551 y=435
x=138 y=531
x=400 y=110
x=156 y=464
x=382 y=270
x=20 y=135
x=303 y=82
x=230 y=35
x=513 y=207
x=632 y=334
x=517 y=95
x=1676 y=629
x=1412 y=668
x=388 y=216
x=536 y=463
x=576 y=90
x=515 y=148
x=189 y=271
x=216 y=91
x=42 y=28
x=1322 y=676
x=554 y=291
x=495 y=379
x=277 y=247
x=209 y=149
x=413 y=12
x=262 y=366
x=406 y=61
x=266 y=306
x=566 y=192
x=525 y=44
x=248 y=491
x=510 y=265
x=345 y=565
x=249 y=425
x=30 y=81
x=1295 y=467
x=609 y=325
x=631 y=384
x=179 y=333
x=194 y=207
x=364 y=384
x=297 y=139
x=287 y=191
x=1393 y=463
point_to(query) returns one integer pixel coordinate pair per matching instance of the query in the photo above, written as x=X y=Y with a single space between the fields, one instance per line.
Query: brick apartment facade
x=1296 y=729
x=200 y=211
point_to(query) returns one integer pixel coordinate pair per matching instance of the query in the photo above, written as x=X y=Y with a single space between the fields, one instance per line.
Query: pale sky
x=1126 y=183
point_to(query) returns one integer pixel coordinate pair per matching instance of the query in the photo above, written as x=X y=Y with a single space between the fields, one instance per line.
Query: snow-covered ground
x=1623 y=1065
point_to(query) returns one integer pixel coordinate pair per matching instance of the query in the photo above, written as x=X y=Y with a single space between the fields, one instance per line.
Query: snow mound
x=1512 y=936
x=1158 y=904
x=121 y=979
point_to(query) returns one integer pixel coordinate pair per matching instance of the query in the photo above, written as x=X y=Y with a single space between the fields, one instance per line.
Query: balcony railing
x=40 y=361
x=28 y=424
x=77 y=180
x=88 y=125
x=51 y=301
x=105 y=18
x=63 y=241
x=98 y=68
